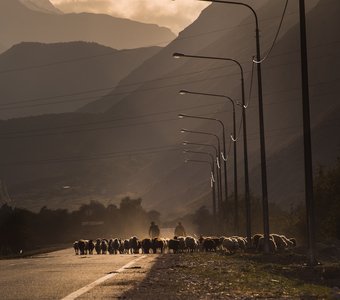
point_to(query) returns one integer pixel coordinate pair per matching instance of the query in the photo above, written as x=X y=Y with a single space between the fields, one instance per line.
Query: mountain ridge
x=38 y=26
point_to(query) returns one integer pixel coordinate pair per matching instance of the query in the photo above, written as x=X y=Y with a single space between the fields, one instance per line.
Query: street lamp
x=245 y=145
x=234 y=139
x=212 y=170
x=261 y=120
x=217 y=161
x=224 y=154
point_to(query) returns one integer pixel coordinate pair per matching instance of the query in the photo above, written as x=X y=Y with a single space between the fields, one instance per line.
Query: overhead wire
x=275 y=38
x=8 y=105
x=41 y=132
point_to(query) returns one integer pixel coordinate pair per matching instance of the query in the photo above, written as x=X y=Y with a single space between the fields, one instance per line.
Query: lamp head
x=185 y=143
x=181 y=116
x=183 y=131
x=186 y=161
x=183 y=92
x=177 y=55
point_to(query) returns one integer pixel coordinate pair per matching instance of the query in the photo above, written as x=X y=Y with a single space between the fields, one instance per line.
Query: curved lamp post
x=245 y=141
x=213 y=183
x=261 y=120
x=187 y=143
x=234 y=139
x=212 y=173
x=223 y=154
x=217 y=161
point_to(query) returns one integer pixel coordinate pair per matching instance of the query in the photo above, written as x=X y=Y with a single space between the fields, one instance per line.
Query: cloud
x=175 y=15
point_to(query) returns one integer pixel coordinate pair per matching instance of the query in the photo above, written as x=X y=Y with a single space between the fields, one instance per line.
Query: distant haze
x=175 y=15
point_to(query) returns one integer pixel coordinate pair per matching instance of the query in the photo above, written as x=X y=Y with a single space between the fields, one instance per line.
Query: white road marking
x=90 y=286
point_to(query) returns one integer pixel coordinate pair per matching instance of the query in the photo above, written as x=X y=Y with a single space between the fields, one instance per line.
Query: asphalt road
x=57 y=274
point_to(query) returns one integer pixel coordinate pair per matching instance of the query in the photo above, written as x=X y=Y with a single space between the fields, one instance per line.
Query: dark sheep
x=174 y=245
x=146 y=245
x=121 y=247
x=157 y=244
x=76 y=247
x=280 y=242
x=135 y=245
x=191 y=243
x=115 y=246
x=255 y=240
x=98 y=247
x=91 y=247
x=126 y=246
x=83 y=246
x=104 y=246
x=208 y=245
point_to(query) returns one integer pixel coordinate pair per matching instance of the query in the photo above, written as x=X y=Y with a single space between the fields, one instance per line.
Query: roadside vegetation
x=22 y=231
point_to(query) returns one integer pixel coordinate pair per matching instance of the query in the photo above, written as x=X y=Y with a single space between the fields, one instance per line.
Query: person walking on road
x=179 y=230
x=154 y=231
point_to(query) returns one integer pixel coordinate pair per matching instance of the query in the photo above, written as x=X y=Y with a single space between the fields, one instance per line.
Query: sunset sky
x=175 y=15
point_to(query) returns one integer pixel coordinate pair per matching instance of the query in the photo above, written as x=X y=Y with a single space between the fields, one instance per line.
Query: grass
x=252 y=275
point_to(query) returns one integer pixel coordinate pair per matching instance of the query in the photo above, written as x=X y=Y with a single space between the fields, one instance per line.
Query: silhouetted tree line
x=21 y=229
x=327 y=204
x=290 y=222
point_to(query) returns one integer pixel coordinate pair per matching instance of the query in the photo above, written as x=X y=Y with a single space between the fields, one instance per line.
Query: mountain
x=47 y=72
x=28 y=21
x=131 y=145
x=159 y=92
x=44 y=6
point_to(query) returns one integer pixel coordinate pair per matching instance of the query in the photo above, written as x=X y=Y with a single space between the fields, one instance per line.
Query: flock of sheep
x=181 y=244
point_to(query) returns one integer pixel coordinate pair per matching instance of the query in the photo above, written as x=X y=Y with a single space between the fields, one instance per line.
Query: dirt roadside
x=220 y=276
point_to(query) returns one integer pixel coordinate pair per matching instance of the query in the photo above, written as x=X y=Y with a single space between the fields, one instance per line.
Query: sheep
x=135 y=245
x=242 y=242
x=182 y=245
x=91 y=247
x=255 y=240
x=173 y=245
x=83 y=246
x=157 y=243
x=272 y=245
x=104 y=246
x=126 y=246
x=279 y=241
x=110 y=247
x=98 y=247
x=291 y=243
x=76 y=247
x=209 y=245
x=121 y=247
x=115 y=246
x=217 y=242
x=191 y=243
x=146 y=245
x=230 y=244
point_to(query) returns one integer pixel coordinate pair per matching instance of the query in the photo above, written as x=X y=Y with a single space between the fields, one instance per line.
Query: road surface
x=62 y=274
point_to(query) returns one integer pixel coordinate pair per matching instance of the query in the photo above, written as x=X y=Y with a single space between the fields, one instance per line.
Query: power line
x=8 y=104
x=110 y=155
x=40 y=132
x=276 y=36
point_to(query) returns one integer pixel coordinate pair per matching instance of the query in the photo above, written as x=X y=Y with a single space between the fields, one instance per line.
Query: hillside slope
x=46 y=72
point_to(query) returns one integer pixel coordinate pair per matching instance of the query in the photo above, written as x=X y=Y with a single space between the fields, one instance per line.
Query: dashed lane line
x=90 y=286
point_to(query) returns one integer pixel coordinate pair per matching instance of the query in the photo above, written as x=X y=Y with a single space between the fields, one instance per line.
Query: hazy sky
x=175 y=15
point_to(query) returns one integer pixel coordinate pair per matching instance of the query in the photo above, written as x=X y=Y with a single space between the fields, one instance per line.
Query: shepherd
x=154 y=230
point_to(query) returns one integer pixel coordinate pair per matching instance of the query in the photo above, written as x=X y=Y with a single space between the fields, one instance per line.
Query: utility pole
x=309 y=194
